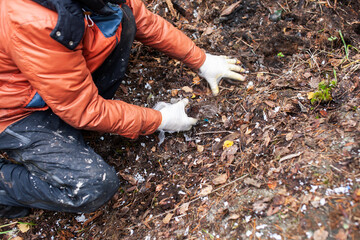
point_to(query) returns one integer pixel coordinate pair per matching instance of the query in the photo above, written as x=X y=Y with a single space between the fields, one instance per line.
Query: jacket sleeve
x=154 y=31
x=63 y=80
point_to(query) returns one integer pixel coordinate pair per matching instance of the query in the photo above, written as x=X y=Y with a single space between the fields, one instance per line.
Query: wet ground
x=263 y=162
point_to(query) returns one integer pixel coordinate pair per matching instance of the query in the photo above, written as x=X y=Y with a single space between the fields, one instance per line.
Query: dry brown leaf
x=314 y=82
x=266 y=138
x=174 y=92
x=129 y=178
x=272 y=184
x=183 y=208
x=320 y=234
x=305 y=199
x=196 y=80
x=23 y=227
x=356 y=195
x=260 y=205
x=229 y=153
x=206 y=191
x=307 y=74
x=335 y=62
x=289 y=136
x=167 y=218
x=158 y=187
x=234 y=216
x=208 y=31
x=316 y=201
x=270 y=103
x=17 y=238
x=341 y=235
x=250 y=181
x=230 y=9
x=220 y=179
x=272 y=210
x=200 y=148
x=187 y=89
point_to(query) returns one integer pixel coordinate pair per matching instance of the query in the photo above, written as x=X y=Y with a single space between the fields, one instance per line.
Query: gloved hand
x=100 y=6
x=174 y=118
x=217 y=67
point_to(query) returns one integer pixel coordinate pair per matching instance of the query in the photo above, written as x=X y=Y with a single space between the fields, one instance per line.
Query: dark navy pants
x=51 y=167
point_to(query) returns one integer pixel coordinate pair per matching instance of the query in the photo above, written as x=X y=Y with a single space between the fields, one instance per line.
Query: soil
x=264 y=162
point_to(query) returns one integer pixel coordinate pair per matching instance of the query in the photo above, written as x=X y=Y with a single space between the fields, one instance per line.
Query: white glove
x=174 y=117
x=217 y=67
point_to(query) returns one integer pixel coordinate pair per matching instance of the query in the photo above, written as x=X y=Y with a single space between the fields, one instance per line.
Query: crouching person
x=61 y=62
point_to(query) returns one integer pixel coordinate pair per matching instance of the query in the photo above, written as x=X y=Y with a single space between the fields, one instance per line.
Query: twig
x=290 y=156
x=337 y=169
x=9 y=224
x=171 y=7
x=212 y=132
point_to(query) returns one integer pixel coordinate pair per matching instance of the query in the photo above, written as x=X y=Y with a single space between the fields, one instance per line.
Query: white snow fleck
x=247 y=218
x=248 y=233
x=262 y=226
x=147 y=86
x=303 y=208
x=275 y=236
x=139 y=178
x=338 y=190
x=78 y=186
x=299 y=96
x=265 y=117
x=81 y=218
x=313 y=188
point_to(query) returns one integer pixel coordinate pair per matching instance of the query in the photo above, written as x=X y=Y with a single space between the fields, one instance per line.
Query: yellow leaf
x=227 y=144
x=310 y=95
x=23 y=227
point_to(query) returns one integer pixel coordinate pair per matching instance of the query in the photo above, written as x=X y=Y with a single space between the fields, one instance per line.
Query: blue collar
x=69 y=29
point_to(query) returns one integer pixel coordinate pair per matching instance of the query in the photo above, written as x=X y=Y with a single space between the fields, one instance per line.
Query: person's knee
x=98 y=190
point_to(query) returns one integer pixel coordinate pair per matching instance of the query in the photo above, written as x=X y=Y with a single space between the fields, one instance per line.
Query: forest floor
x=274 y=157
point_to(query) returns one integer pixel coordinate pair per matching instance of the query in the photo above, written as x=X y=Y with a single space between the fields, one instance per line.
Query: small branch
x=290 y=156
x=212 y=132
x=171 y=7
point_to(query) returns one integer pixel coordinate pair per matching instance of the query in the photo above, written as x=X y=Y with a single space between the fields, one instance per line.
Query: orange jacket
x=32 y=62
